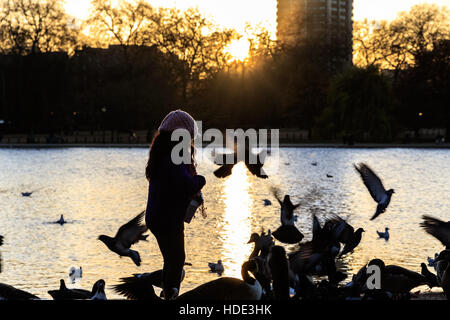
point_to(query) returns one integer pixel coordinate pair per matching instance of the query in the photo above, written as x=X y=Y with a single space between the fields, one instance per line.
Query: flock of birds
x=308 y=272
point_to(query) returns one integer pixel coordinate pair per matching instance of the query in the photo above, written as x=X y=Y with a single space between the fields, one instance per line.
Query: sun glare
x=238 y=49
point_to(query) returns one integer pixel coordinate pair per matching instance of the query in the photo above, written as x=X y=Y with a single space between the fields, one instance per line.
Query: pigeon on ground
x=376 y=188
x=127 y=235
x=431 y=277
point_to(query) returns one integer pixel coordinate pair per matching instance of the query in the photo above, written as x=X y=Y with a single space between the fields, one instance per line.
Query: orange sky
x=235 y=13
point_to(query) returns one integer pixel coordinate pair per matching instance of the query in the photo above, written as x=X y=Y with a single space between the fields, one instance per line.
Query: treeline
x=128 y=65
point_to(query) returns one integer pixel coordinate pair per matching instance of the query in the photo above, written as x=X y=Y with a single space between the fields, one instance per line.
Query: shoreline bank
x=281 y=145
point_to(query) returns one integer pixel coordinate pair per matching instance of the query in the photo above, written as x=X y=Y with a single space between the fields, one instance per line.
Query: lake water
x=97 y=190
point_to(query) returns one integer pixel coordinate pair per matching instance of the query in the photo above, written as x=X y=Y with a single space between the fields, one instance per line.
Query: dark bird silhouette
x=8 y=292
x=431 y=277
x=65 y=293
x=398 y=280
x=253 y=162
x=61 y=220
x=438 y=229
x=376 y=188
x=216 y=267
x=353 y=242
x=127 y=235
x=443 y=271
x=329 y=176
x=1 y=240
x=26 y=194
x=140 y=286
x=225 y=288
x=384 y=235
x=99 y=293
x=287 y=232
x=260 y=253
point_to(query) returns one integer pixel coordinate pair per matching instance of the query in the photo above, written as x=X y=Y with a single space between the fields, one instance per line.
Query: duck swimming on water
x=61 y=220
x=384 y=235
x=216 y=267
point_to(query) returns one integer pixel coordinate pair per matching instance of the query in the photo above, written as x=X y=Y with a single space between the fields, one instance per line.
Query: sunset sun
x=238 y=49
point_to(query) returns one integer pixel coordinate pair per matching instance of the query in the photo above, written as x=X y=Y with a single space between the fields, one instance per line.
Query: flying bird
x=287 y=232
x=438 y=229
x=127 y=235
x=253 y=162
x=376 y=188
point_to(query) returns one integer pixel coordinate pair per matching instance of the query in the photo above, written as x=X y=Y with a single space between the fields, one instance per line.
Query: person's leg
x=175 y=260
x=171 y=244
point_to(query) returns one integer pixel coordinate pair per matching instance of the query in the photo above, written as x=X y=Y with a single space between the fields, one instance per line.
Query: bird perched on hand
x=253 y=162
x=127 y=235
x=384 y=235
x=287 y=232
x=376 y=188
x=438 y=229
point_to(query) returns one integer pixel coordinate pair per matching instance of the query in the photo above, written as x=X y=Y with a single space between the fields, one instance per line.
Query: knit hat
x=179 y=119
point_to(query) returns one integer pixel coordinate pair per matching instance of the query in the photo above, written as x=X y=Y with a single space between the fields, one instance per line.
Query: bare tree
x=33 y=26
x=124 y=23
x=194 y=40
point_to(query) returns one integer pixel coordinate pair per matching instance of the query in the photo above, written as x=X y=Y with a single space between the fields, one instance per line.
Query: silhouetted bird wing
x=372 y=182
x=136 y=288
x=288 y=234
x=224 y=171
x=437 y=228
x=131 y=232
x=276 y=193
x=256 y=168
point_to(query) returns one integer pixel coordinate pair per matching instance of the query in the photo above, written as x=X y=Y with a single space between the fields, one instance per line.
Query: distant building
x=326 y=20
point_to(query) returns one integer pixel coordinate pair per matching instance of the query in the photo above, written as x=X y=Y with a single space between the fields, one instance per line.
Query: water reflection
x=238 y=204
